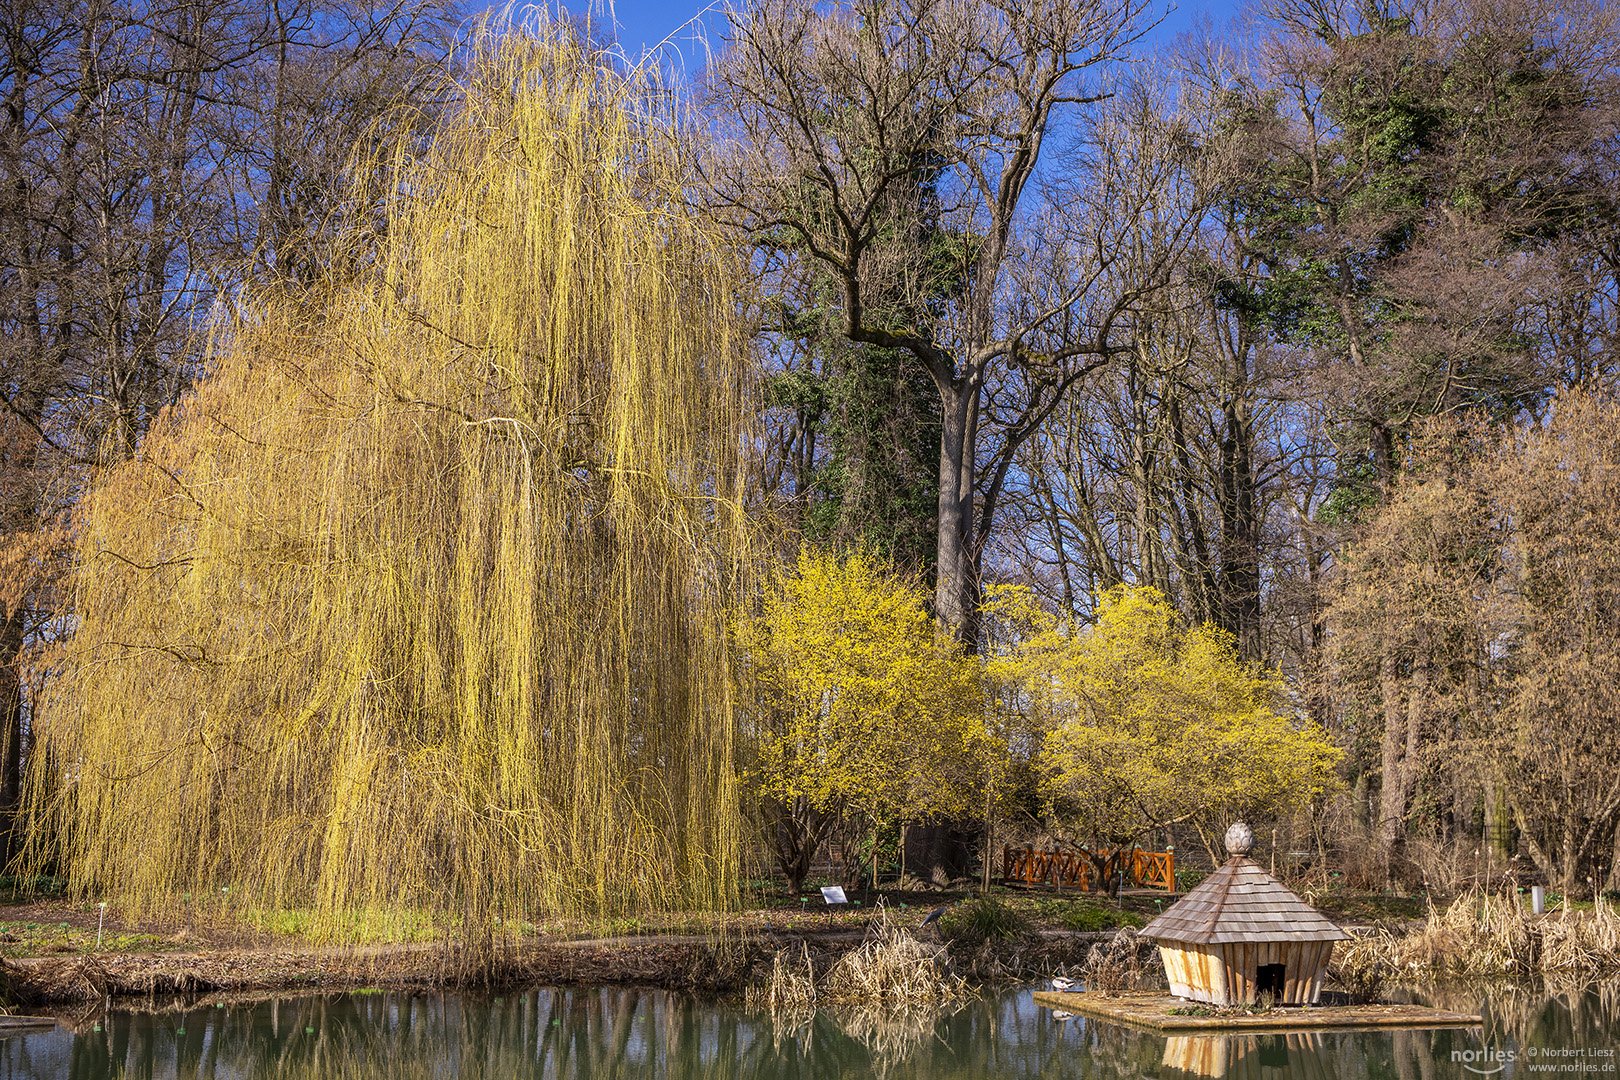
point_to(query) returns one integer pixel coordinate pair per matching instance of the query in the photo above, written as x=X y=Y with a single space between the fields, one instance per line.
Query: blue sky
x=643 y=23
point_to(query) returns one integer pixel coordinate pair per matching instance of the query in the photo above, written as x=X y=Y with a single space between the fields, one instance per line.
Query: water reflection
x=1305 y=1055
x=633 y=1034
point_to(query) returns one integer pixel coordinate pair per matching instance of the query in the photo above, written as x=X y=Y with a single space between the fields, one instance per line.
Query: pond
x=628 y=1034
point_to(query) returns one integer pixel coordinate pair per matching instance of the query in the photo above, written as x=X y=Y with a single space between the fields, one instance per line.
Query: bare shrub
x=1126 y=961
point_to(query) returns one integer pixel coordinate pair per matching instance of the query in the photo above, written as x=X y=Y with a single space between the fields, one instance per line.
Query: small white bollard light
x=101 y=919
x=1538 y=899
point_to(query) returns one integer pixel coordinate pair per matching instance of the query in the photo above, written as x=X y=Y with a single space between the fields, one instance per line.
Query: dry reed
x=790 y=988
x=890 y=968
x=1126 y=961
x=1485 y=935
x=888 y=993
x=417 y=604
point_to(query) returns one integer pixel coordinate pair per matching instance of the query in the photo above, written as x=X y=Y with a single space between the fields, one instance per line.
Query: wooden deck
x=17 y=1025
x=1159 y=1012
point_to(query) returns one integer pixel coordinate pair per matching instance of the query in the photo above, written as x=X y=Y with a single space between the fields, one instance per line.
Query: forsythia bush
x=1142 y=721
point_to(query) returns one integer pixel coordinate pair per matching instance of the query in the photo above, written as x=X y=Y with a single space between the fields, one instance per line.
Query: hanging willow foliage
x=418 y=603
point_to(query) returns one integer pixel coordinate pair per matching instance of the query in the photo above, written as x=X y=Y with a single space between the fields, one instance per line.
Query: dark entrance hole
x=1270 y=979
x=1274 y=1053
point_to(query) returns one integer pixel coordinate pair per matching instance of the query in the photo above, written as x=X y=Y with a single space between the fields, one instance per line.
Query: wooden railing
x=1078 y=869
x=1154 y=870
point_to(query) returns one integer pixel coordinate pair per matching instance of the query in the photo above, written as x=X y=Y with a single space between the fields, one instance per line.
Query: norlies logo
x=1486 y=1061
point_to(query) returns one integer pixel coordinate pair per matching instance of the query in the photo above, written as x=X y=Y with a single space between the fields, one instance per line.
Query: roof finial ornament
x=1239 y=839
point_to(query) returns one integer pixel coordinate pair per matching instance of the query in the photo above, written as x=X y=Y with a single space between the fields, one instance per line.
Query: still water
x=625 y=1034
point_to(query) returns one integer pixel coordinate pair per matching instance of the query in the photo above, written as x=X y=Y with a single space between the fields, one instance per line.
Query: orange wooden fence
x=1076 y=869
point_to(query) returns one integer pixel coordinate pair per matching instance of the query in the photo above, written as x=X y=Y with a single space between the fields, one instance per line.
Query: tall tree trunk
x=956 y=592
x=1240 y=532
x=1391 y=825
x=1385 y=464
x=1198 y=575
x=1144 y=470
x=1417 y=701
x=1498 y=825
x=990 y=840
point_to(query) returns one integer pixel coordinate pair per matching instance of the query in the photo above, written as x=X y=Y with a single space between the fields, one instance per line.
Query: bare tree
x=1552 y=749
x=1174 y=469
x=901 y=147
x=152 y=159
x=332 y=80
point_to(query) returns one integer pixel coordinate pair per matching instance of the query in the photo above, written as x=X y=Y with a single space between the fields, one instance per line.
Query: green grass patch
x=1369 y=907
x=365 y=927
x=28 y=938
x=1085 y=915
x=974 y=922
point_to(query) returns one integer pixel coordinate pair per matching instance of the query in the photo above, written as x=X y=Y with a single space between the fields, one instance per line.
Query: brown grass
x=891 y=967
x=1485 y=935
x=1127 y=961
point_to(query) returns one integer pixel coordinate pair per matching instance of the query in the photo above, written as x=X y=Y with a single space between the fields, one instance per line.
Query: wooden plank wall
x=1197 y=972
x=1225 y=974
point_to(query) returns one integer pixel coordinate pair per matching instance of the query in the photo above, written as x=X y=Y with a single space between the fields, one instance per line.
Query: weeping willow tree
x=417 y=604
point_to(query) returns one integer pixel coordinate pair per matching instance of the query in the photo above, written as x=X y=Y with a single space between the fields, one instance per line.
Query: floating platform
x=1157 y=1011
x=18 y=1025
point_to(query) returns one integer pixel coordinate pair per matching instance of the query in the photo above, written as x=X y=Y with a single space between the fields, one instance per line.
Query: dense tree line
x=1215 y=333
x=1309 y=330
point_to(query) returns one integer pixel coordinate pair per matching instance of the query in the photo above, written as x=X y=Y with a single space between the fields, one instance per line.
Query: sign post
x=833 y=895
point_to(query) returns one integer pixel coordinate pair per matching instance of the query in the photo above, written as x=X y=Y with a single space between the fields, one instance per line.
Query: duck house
x=1242 y=934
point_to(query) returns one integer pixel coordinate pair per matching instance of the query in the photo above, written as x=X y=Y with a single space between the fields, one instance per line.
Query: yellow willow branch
x=471 y=674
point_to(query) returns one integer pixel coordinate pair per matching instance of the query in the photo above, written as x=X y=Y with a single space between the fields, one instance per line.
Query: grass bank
x=49 y=947
x=56 y=950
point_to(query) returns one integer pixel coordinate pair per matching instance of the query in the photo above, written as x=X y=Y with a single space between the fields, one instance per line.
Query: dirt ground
x=686 y=964
x=49 y=954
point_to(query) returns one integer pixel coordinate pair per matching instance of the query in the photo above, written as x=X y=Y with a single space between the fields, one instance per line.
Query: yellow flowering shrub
x=866 y=708
x=1141 y=721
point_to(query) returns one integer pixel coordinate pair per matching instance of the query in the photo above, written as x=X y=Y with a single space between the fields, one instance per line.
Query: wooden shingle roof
x=1240 y=902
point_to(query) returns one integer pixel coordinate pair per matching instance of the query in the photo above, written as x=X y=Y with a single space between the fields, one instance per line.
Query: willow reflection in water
x=635 y=1034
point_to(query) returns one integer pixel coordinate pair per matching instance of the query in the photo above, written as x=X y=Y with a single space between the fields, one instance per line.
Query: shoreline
x=73 y=987
x=717 y=964
x=52 y=949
